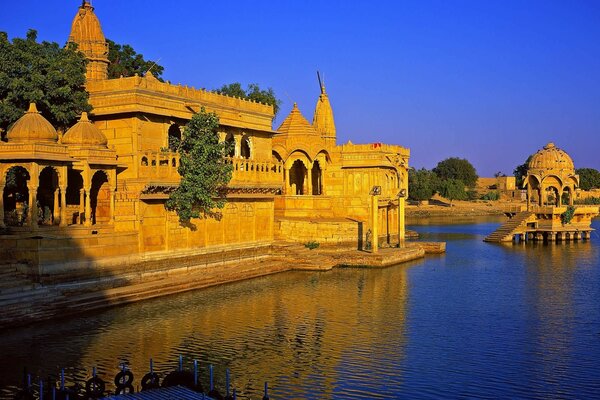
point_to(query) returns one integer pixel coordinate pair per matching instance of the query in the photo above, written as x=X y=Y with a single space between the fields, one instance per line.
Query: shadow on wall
x=48 y=271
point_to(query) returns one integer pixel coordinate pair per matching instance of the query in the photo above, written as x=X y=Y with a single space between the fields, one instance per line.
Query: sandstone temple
x=91 y=201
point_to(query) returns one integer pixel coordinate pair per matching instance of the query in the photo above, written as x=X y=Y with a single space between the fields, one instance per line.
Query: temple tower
x=86 y=32
x=323 y=118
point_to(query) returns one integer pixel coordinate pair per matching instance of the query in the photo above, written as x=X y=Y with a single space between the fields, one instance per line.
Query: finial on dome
x=321 y=82
x=295 y=106
x=84 y=117
x=33 y=108
x=550 y=145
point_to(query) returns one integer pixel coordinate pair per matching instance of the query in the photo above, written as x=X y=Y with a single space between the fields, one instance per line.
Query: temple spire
x=323 y=119
x=87 y=33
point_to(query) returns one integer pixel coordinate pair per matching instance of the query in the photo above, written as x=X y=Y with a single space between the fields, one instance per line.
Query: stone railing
x=163 y=165
x=159 y=164
x=256 y=171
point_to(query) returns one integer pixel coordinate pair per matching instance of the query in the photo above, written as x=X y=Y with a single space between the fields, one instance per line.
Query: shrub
x=311 y=245
x=491 y=196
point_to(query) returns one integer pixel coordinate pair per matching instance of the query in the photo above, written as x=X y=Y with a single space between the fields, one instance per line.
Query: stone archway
x=174 y=137
x=100 y=198
x=551 y=196
x=48 y=197
x=566 y=197
x=230 y=142
x=15 y=196
x=75 y=201
x=245 y=149
x=298 y=174
x=317 y=179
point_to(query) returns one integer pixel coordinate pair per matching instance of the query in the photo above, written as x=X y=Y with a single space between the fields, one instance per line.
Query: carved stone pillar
x=63 y=206
x=2 y=185
x=375 y=223
x=309 y=180
x=88 y=207
x=32 y=213
x=286 y=173
x=55 y=212
x=81 y=206
x=112 y=206
x=238 y=145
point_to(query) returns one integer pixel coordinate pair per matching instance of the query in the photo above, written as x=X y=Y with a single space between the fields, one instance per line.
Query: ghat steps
x=515 y=225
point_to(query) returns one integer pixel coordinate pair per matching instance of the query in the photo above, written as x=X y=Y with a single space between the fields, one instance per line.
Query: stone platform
x=158 y=275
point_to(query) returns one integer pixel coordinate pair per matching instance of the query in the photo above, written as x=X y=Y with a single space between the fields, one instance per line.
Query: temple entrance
x=174 y=137
x=317 y=179
x=15 y=196
x=100 y=198
x=48 y=197
x=298 y=172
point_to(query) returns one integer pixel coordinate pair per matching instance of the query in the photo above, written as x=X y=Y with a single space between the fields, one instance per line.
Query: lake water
x=481 y=321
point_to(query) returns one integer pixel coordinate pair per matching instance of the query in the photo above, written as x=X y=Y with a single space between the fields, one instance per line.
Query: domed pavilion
x=67 y=180
x=551 y=179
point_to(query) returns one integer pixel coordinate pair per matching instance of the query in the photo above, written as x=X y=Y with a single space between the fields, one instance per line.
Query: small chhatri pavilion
x=550 y=214
x=551 y=179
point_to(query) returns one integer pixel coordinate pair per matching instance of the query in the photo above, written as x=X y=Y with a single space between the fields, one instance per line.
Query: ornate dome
x=295 y=123
x=32 y=127
x=551 y=158
x=84 y=133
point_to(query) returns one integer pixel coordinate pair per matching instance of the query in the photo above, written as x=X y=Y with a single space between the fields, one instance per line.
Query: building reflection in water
x=304 y=333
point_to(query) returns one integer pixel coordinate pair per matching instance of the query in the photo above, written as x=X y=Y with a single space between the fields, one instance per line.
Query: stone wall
x=331 y=231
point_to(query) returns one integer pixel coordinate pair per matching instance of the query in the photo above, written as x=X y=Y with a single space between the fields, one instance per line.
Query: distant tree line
x=453 y=178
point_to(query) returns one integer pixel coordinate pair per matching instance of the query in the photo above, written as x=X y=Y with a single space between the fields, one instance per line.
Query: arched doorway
x=16 y=196
x=230 y=145
x=48 y=196
x=552 y=196
x=317 y=179
x=75 y=197
x=566 y=197
x=174 y=137
x=245 y=147
x=298 y=172
x=100 y=198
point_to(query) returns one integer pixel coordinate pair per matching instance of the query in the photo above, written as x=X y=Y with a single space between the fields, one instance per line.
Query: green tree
x=125 y=61
x=421 y=184
x=520 y=172
x=253 y=92
x=452 y=189
x=457 y=169
x=203 y=169
x=45 y=73
x=589 y=178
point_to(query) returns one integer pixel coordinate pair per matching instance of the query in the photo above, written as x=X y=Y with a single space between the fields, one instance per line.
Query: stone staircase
x=13 y=281
x=506 y=231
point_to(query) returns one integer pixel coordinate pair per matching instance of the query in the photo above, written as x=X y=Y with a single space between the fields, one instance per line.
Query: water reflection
x=482 y=321
x=302 y=332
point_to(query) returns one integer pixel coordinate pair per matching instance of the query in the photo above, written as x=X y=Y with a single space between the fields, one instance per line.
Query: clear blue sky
x=490 y=81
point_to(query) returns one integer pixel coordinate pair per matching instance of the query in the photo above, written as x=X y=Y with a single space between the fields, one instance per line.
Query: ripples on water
x=483 y=321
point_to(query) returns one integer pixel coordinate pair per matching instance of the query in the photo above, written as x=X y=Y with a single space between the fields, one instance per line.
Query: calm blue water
x=481 y=321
